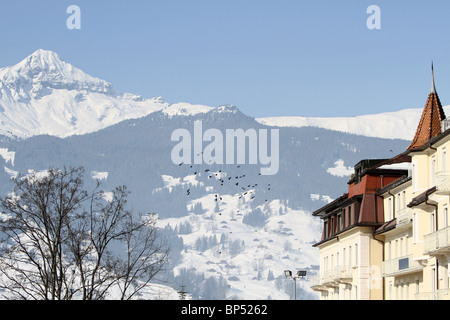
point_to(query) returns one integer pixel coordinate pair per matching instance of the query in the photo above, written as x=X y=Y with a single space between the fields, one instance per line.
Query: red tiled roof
x=430 y=122
x=432 y=116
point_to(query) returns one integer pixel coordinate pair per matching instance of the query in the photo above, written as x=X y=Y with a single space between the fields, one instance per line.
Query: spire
x=433 y=86
x=432 y=116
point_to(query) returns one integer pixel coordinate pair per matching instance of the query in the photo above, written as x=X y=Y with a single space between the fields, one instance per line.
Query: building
x=417 y=235
x=349 y=253
x=388 y=238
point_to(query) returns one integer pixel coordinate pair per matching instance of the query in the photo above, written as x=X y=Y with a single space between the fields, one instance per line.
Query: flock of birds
x=236 y=181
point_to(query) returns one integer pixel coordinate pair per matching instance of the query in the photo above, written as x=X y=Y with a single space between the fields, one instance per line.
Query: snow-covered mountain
x=43 y=94
x=231 y=238
x=232 y=232
x=390 y=125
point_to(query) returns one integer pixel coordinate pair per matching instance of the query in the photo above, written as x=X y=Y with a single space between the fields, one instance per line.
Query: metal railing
x=443 y=181
x=333 y=276
x=441 y=294
x=343 y=273
x=317 y=283
x=436 y=241
x=404 y=217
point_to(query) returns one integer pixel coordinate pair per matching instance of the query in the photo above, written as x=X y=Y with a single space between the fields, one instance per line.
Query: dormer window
x=358 y=176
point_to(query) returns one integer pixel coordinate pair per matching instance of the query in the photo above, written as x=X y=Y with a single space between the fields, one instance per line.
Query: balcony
x=332 y=278
x=317 y=283
x=443 y=182
x=329 y=279
x=441 y=294
x=399 y=266
x=343 y=274
x=404 y=218
x=437 y=242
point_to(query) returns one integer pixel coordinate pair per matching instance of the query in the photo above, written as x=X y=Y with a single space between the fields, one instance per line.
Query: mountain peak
x=43 y=94
x=43 y=71
x=48 y=61
x=42 y=59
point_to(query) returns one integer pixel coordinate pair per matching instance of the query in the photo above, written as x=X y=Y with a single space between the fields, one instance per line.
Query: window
x=444 y=160
x=407 y=289
x=344 y=257
x=390 y=291
x=415 y=177
x=406 y=244
x=344 y=217
x=446 y=276
x=433 y=171
x=396 y=249
x=389 y=209
x=339 y=222
x=402 y=289
x=417 y=285
x=332 y=226
x=396 y=289
x=404 y=199
x=358 y=175
x=349 y=212
x=445 y=213
x=432 y=222
x=350 y=256
x=401 y=247
x=433 y=280
x=415 y=227
x=389 y=252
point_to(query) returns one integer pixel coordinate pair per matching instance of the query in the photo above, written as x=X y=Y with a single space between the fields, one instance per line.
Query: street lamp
x=300 y=274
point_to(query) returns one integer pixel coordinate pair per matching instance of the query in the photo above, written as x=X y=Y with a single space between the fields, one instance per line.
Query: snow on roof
x=397 y=166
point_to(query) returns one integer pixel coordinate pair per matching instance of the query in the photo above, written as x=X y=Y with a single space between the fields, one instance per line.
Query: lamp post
x=182 y=293
x=300 y=275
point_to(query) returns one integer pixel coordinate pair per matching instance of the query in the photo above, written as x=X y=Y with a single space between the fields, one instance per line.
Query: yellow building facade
x=405 y=253
x=350 y=267
x=351 y=256
x=417 y=242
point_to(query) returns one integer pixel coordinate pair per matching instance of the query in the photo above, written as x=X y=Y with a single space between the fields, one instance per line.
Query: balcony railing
x=329 y=278
x=404 y=217
x=332 y=278
x=343 y=274
x=441 y=294
x=437 y=242
x=443 y=182
x=400 y=265
x=317 y=283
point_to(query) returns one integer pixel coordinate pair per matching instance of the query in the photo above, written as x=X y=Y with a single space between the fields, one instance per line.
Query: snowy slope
x=251 y=258
x=390 y=125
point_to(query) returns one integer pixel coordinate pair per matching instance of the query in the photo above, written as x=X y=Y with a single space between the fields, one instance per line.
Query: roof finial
x=433 y=86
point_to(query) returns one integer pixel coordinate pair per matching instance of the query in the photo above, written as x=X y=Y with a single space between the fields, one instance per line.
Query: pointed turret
x=432 y=116
x=433 y=85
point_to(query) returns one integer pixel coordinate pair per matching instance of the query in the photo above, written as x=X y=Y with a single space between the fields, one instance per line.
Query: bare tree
x=60 y=242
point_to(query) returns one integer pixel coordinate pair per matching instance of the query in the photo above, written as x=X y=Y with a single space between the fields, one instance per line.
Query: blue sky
x=269 y=58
